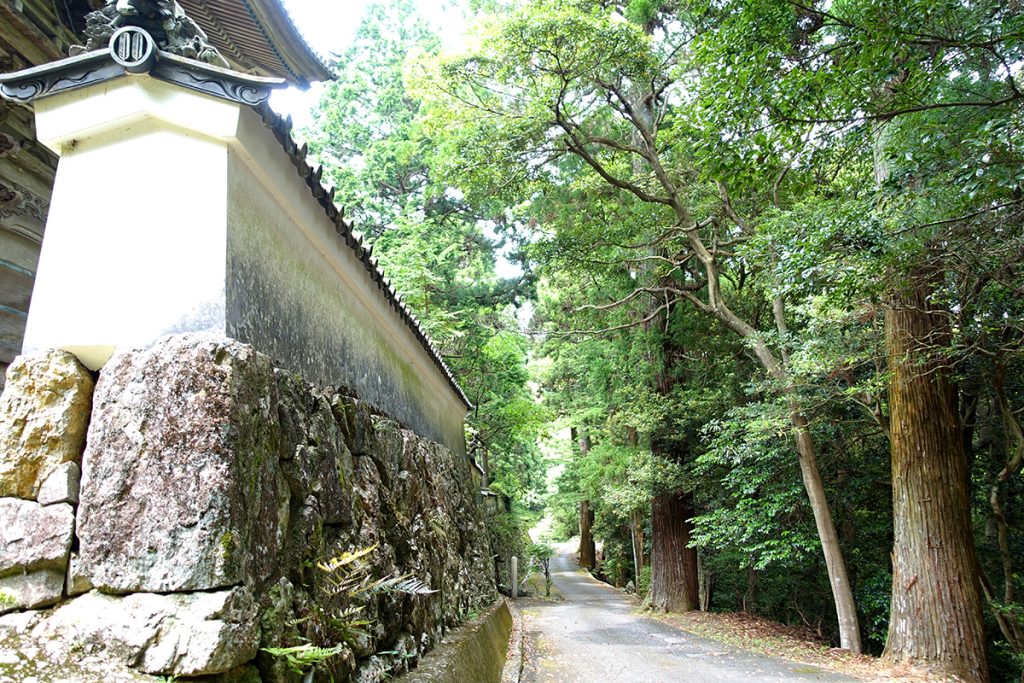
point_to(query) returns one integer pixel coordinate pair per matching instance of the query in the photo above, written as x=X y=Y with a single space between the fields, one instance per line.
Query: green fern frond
x=406 y=584
x=303 y=657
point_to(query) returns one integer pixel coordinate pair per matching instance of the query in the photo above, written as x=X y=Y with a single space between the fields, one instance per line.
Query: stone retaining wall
x=213 y=489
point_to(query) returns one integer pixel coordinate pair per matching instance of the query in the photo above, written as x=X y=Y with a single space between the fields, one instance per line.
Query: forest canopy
x=761 y=259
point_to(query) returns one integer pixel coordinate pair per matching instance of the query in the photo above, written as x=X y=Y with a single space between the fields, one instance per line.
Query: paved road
x=593 y=637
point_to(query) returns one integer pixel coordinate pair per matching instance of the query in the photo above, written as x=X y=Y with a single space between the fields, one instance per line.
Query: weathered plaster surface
x=297 y=292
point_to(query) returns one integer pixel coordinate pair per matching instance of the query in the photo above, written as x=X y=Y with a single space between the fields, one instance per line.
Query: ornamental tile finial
x=132 y=50
x=173 y=31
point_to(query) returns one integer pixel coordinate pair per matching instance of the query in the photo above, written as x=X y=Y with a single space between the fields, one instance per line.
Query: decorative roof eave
x=260 y=35
x=120 y=58
x=282 y=129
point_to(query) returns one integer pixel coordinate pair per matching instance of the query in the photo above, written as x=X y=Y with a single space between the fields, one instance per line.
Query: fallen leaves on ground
x=796 y=643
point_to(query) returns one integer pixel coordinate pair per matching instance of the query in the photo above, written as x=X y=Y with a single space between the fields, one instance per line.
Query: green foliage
x=762 y=509
x=346 y=586
x=541 y=552
x=643 y=584
x=439 y=250
x=302 y=658
x=820 y=155
x=350 y=576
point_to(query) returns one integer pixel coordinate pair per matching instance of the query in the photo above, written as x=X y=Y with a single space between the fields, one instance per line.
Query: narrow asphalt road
x=593 y=636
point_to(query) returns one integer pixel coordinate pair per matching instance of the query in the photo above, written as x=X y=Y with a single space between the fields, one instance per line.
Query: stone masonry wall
x=214 y=491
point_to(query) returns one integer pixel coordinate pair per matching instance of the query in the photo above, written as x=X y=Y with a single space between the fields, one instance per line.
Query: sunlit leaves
x=439 y=250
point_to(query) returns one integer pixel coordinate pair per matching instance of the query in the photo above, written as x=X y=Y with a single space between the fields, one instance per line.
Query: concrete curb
x=474 y=652
x=513 y=670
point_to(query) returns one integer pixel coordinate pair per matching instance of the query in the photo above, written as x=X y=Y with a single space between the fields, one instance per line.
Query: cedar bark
x=750 y=596
x=936 y=613
x=588 y=549
x=673 y=564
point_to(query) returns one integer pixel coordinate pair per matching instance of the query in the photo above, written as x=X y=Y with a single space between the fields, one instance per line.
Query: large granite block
x=61 y=486
x=186 y=634
x=33 y=537
x=179 y=484
x=32 y=590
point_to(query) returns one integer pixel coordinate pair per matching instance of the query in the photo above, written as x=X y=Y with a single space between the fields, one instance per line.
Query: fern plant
x=349 y=580
x=302 y=658
x=350 y=575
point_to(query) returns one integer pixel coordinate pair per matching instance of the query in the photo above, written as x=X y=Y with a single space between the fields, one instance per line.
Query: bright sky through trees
x=329 y=26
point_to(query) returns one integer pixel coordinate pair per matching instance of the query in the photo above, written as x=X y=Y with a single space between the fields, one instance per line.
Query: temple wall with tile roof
x=176 y=212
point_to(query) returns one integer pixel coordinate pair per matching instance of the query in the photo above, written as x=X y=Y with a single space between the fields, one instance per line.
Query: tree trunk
x=636 y=533
x=636 y=521
x=673 y=564
x=486 y=467
x=588 y=550
x=839 y=580
x=620 y=571
x=705 y=584
x=842 y=591
x=750 y=596
x=936 y=615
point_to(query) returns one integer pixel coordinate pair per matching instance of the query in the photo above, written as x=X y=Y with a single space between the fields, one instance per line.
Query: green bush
x=643 y=586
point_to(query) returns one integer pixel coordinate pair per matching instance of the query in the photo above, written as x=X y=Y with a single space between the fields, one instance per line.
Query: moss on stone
x=228 y=546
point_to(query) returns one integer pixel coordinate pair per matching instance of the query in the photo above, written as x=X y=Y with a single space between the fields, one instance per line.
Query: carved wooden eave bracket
x=132 y=51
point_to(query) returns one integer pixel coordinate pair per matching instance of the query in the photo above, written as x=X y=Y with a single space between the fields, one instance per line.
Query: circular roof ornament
x=133 y=48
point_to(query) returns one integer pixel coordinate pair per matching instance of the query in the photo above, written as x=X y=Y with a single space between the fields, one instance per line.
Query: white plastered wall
x=282 y=234
x=135 y=239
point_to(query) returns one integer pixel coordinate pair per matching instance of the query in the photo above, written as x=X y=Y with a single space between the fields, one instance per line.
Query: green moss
x=228 y=545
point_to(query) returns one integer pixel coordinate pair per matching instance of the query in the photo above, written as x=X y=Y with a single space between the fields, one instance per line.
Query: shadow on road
x=594 y=636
